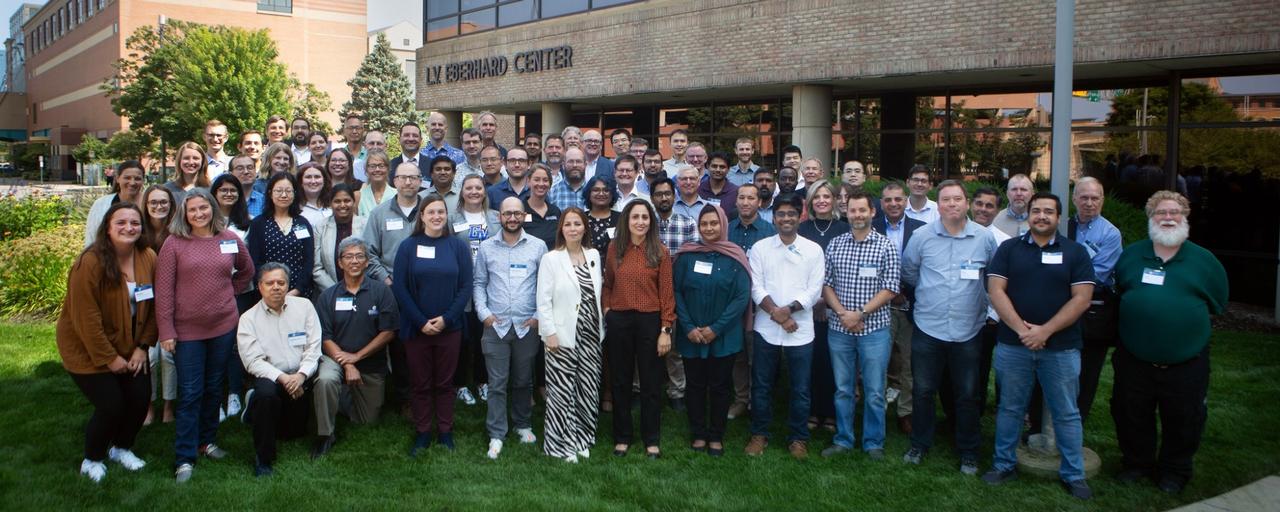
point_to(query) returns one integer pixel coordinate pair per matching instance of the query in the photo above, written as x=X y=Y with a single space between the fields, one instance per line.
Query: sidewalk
x=1260 y=496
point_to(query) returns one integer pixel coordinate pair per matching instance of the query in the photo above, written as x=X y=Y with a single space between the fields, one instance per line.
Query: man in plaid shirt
x=568 y=192
x=862 y=272
x=674 y=230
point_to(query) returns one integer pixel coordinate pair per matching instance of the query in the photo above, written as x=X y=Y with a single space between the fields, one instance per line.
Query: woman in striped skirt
x=569 y=322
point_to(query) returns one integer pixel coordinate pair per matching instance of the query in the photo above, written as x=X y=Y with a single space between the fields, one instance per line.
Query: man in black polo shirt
x=1040 y=284
x=358 y=318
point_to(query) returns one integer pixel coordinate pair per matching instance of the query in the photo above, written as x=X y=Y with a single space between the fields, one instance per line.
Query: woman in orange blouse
x=639 y=309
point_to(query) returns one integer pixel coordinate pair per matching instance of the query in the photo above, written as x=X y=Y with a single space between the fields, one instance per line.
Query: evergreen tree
x=380 y=91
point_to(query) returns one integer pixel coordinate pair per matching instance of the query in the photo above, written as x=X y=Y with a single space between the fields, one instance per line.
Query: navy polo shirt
x=1039 y=283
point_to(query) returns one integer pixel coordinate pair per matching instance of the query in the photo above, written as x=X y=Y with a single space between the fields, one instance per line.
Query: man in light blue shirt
x=505 y=286
x=688 y=202
x=944 y=262
x=1102 y=240
x=744 y=171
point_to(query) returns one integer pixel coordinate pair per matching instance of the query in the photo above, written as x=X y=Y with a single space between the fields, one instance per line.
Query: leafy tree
x=310 y=103
x=91 y=150
x=168 y=87
x=130 y=145
x=380 y=91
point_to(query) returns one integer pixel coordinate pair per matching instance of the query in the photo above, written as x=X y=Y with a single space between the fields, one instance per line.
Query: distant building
x=405 y=38
x=72 y=44
x=15 y=76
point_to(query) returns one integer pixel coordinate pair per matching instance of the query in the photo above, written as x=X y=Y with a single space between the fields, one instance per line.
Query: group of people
x=354 y=280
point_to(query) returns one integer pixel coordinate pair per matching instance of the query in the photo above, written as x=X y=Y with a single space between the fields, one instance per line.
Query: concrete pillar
x=811 y=121
x=555 y=116
x=897 y=150
x=453 y=128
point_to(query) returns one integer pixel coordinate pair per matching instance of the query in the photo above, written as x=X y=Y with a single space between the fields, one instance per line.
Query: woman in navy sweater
x=432 y=286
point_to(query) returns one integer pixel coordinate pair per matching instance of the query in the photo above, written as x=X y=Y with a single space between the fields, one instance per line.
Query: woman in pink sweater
x=200 y=268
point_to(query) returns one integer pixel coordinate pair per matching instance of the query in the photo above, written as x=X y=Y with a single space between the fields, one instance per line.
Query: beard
x=1166 y=237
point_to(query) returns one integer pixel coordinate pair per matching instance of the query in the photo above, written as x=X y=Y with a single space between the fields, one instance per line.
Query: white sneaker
x=233 y=405
x=464 y=394
x=183 y=473
x=96 y=471
x=222 y=414
x=891 y=395
x=572 y=459
x=526 y=435
x=483 y=392
x=585 y=453
x=495 y=447
x=126 y=458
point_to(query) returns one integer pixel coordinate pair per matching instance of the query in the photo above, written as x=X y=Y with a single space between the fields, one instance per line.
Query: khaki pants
x=331 y=390
x=742 y=374
x=900 y=330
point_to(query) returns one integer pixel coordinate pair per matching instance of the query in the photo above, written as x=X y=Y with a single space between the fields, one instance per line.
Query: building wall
x=405 y=39
x=15 y=46
x=651 y=47
x=321 y=42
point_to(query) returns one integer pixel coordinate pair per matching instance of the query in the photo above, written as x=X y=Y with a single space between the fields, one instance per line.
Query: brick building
x=71 y=44
x=808 y=72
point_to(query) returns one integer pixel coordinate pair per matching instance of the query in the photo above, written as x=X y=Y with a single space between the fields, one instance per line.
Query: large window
x=452 y=18
x=283 y=6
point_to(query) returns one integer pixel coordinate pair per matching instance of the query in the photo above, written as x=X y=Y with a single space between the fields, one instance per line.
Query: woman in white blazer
x=343 y=203
x=572 y=327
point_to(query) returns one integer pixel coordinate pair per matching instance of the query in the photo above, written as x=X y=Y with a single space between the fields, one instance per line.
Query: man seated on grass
x=279 y=342
x=358 y=318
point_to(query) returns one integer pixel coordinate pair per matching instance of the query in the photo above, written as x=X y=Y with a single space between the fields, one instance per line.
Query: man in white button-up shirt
x=786 y=281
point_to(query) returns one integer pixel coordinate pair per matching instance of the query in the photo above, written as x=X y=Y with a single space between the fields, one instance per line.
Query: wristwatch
x=795 y=306
x=666 y=330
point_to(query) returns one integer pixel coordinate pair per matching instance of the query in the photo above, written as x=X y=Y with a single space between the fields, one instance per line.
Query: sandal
x=698 y=445
x=620 y=452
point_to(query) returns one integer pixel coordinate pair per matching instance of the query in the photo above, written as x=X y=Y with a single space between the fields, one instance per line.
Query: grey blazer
x=325 y=270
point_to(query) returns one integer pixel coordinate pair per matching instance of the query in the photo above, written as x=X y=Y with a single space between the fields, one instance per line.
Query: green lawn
x=41 y=438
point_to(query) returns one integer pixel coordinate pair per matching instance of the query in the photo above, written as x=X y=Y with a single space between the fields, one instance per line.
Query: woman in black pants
x=107 y=322
x=639 y=307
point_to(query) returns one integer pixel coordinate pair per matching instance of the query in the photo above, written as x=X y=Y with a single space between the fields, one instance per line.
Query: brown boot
x=799 y=450
x=757 y=445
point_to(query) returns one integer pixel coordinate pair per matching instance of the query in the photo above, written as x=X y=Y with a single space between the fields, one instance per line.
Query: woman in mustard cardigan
x=106 y=325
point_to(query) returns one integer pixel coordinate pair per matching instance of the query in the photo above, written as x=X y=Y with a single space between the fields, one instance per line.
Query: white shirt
x=1001 y=236
x=926 y=215
x=301 y=155
x=623 y=199
x=786 y=274
x=315 y=215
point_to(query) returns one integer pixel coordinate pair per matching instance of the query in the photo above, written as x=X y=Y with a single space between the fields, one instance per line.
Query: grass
x=41 y=438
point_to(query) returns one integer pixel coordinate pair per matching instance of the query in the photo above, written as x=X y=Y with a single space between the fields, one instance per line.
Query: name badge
x=426 y=252
x=395 y=224
x=612 y=232
x=228 y=247
x=1153 y=276
x=1092 y=249
x=297 y=339
x=970 y=271
x=345 y=304
x=1051 y=258
x=143 y=292
x=458 y=228
x=702 y=267
x=519 y=271
x=528 y=217
x=301 y=232
x=868 y=271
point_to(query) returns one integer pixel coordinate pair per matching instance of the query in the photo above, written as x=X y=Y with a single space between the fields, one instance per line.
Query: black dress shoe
x=715 y=452
x=653 y=455
x=322 y=446
x=1172 y=485
x=620 y=453
x=261 y=470
x=1133 y=475
x=677 y=404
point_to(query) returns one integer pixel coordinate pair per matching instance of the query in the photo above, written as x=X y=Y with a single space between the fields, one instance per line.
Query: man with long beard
x=1168 y=287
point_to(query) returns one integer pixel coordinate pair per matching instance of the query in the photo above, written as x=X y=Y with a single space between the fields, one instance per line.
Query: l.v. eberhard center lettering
x=532 y=61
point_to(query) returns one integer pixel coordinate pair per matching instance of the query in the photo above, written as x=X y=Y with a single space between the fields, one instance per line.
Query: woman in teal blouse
x=713 y=291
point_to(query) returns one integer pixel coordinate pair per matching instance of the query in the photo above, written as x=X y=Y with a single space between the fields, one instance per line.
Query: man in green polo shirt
x=1168 y=287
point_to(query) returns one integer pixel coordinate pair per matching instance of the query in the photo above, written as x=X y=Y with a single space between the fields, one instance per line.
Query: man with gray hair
x=279 y=343
x=1013 y=220
x=488 y=123
x=358 y=318
x=572 y=136
x=1102 y=240
x=593 y=149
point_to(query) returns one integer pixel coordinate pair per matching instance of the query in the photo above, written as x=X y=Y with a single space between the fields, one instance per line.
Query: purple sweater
x=196 y=285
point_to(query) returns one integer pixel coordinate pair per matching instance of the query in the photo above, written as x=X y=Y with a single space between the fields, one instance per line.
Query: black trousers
x=1177 y=393
x=987 y=336
x=470 y=357
x=120 y=403
x=708 y=384
x=822 y=382
x=631 y=345
x=277 y=416
x=398 y=390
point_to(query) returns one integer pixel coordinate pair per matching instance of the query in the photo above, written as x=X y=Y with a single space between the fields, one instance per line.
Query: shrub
x=33 y=271
x=36 y=212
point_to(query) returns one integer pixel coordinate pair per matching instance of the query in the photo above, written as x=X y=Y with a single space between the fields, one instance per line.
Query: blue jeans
x=202 y=367
x=1017 y=369
x=929 y=357
x=765 y=360
x=866 y=355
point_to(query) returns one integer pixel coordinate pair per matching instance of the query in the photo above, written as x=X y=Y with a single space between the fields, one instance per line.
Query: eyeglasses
x=282 y=192
x=518 y=160
x=512 y=215
x=228 y=191
x=162 y=202
x=408 y=177
x=354 y=257
x=376 y=166
x=1167 y=213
